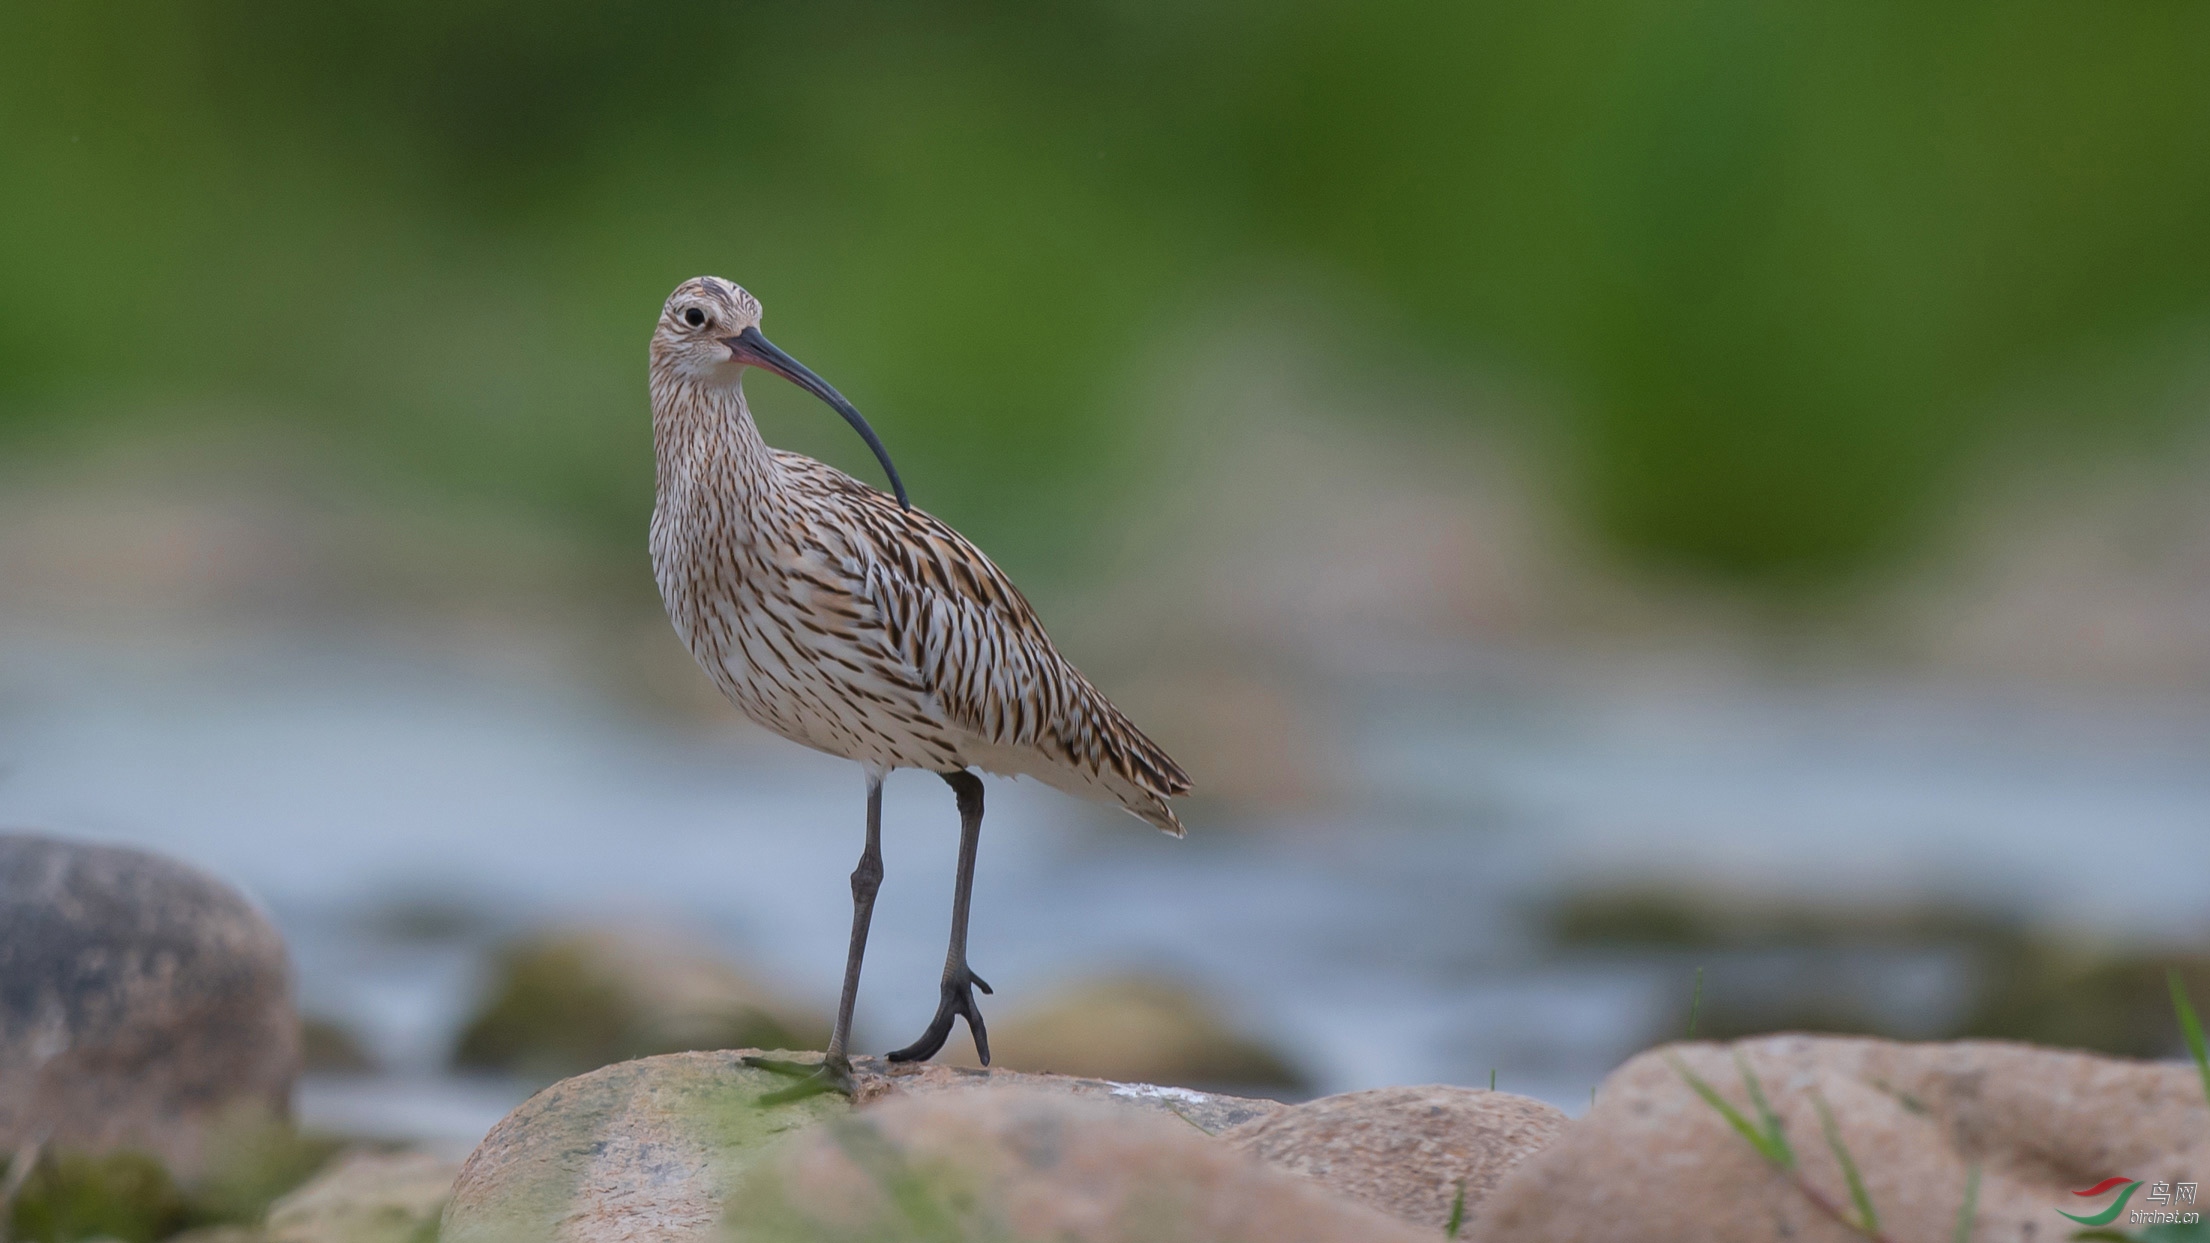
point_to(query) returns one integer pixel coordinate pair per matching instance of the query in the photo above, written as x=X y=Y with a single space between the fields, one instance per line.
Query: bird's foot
x=958 y=1002
x=832 y=1073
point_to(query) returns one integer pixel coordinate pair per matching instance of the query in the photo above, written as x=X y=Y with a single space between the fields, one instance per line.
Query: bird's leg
x=959 y=982
x=833 y=1073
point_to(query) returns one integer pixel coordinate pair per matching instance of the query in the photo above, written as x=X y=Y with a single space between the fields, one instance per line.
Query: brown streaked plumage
x=841 y=618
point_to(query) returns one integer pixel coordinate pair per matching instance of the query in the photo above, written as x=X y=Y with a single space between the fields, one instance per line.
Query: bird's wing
x=965 y=633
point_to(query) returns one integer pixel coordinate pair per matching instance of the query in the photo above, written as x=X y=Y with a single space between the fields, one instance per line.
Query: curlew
x=841 y=617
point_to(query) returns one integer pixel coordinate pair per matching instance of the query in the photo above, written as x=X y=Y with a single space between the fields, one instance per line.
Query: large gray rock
x=1653 y=1161
x=1015 y=1163
x=1417 y=1154
x=142 y=1002
x=652 y=1149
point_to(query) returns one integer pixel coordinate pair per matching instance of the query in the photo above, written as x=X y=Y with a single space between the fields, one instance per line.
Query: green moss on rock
x=126 y=1196
x=688 y=1125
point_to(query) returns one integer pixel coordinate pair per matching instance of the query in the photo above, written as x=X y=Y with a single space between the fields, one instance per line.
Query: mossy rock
x=2027 y=984
x=2077 y=999
x=368 y=1197
x=254 y=1160
x=643 y=1149
x=127 y=1196
x=329 y=1047
x=565 y=1002
x=1000 y=1164
x=1639 y=917
x=131 y=1197
x=1134 y=1029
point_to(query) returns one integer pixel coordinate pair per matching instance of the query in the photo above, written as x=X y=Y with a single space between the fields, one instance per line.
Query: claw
x=830 y=1074
x=958 y=1001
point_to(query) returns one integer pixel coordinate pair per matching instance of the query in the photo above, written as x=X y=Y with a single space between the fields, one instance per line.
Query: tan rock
x=1132 y=1029
x=142 y=1003
x=1211 y=1112
x=1015 y=1164
x=1652 y=1161
x=1410 y=1152
x=635 y=1151
x=219 y=1234
x=650 y=1149
x=367 y=1197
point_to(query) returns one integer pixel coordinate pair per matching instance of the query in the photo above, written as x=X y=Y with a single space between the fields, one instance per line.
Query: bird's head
x=709 y=332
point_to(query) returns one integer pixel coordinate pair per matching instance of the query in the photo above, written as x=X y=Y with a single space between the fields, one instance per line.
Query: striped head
x=696 y=324
x=709 y=332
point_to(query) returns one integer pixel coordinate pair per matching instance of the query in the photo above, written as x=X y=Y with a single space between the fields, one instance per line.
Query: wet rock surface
x=142 y=1002
x=1014 y=1163
x=1654 y=1161
x=1416 y=1153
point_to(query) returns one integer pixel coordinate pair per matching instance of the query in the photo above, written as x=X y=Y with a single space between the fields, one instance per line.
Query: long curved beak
x=752 y=349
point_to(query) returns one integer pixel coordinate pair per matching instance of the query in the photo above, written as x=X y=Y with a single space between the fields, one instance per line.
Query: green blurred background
x=1769 y=277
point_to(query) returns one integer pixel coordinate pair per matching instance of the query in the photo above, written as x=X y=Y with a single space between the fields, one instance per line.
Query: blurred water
x=398 y=811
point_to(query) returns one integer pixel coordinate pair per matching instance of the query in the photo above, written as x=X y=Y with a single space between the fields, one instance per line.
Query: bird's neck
x=704 y=438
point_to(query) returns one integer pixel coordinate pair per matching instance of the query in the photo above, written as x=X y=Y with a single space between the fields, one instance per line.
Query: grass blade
x=1970 y=1208
x=1696 y=1003
x=1867 y=1220
x=2192 y=1028
x=1733 y=1116
x=1765 y=1114
x=1457 y=1213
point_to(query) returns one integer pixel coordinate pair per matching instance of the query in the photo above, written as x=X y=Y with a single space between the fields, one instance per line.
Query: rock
x=1641 y=916
x=1132 y=1029
x=252 y=1162
x=2023 y=983
x=141 y=1002
x=218 y=1234
x=2054 y=993
x=1010 y=1163
x=1410 y=1152
x=1652 y=1161
x=564 y=1002
x=1210 y=1112
x=327 y=1047
x=652 y=1148
x=640 y=1150
x=79 y=1196
x=368 y=1197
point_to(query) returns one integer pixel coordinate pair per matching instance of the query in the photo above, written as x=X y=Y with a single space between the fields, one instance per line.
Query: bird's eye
x=694 y=317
